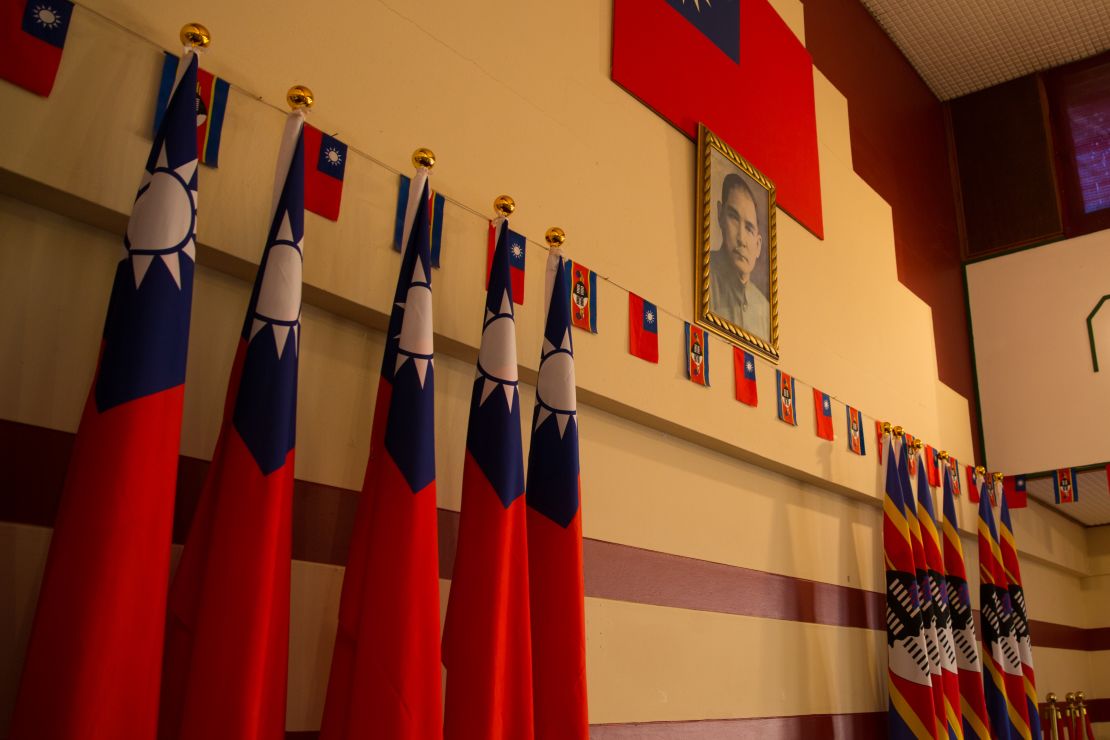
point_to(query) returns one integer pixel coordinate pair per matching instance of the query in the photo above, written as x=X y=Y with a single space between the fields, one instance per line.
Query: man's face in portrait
x=740 y=237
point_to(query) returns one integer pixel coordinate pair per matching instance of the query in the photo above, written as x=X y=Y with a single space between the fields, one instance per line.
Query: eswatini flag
x=697 y=355
x=487 y=634
x=212 y=93
x=910 y=712
x=1003 y=681
x=973 y=708
x=95 y=651
x=227 y=637
x=1010 y=564
x=583 y=297
x=385 y=669
x=786 y=403
x=555 y=529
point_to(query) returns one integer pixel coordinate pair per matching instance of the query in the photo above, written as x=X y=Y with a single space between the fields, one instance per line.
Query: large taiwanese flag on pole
x=227 y=637
x=95 y=651
x=910 y=712
x=487 y=635
x=934 y=559
x=973 y=707
x=555 y=529
x=1008 y=547
x=385 y=669
x=1003 y=680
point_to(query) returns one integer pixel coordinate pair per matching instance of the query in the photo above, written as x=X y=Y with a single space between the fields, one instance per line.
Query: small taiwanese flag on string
x=583 y=297
x=822 y=410
x=1065 y=486
x=744 y=367
x=855 y=431
x=32 y=35
x=211 y=106
x=517 y=246
x=697 y=355
x=435 y=221
x=1013 y=487
x=643 y=328
x=932 y=468
x=972 y=483
x=325 y=164
x=785 y=401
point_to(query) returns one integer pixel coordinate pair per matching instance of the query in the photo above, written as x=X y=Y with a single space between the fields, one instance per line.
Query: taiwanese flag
x=643 y=328
x=555 y=530
x=517 y=246
x=212 y=95
x=95 y=651
x=1013 y=490
x=743 y=364
x=1065 y=486
x=697 y=355
x=972 y=702
x=227 y=638
x=710 y=62
x=1008 y=548
x=487 y=634
x=910 y=713
x=32 y=34
x=1003 y=681
x=325 y=165
x=822 y=410
x=583 y=298
x=385 y=669
x=785 y=385
x=855 y=431
x=972 y=483
x=436 y=202
x=932 y=466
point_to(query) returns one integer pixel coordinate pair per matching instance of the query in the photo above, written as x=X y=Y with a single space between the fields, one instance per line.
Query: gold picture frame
x=735 y=286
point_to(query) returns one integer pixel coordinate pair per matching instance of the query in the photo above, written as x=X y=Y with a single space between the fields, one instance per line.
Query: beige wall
x=666 y=466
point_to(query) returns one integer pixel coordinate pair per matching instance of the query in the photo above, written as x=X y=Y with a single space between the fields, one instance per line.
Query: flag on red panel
x=517 y=246
x=912 y=456
x=938 y=599
x=227 y=636
x=744 y=368
x=855 y=431
x=972 y=703
x=1013 y=486
x=643 y=328
x=1065 y=486
x=557 y=603
x=385 y=670
x=436 y=202
x=910 y=713
x=932 y=466
x=681 y=58
x=953 y=472
x=32 y=34
x=211 y=106
x=325 y=165
x=1008 y=548
x=583 y=298
x=822 y=410
x=101 y=609
x=697 y=355
x=487 y=634
x=972 y=476
x=879 y=437
x=785 y=400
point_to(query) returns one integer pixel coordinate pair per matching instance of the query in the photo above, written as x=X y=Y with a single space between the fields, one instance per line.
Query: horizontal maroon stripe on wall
x=33 y=462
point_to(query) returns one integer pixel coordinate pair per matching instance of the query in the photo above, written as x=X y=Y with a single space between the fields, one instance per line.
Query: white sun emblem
x=826 y=404
x=650 y=317
x=517 y=251
x=497 y=354
x=279 y=297
x=415 y=340
x=46 y=16
x=749 y=366
x=333 y=157
x=163 y=220
x=555 y=394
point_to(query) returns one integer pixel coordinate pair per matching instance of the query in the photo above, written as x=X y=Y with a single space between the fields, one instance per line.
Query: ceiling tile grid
x=1093 y=506
x=960 y=46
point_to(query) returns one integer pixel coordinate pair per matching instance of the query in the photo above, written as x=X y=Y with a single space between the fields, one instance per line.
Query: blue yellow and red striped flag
x=1008 y=546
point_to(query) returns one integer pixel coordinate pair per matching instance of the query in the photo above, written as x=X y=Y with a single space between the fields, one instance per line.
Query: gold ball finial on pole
x=555 y=237
x=504 y=205
x=887 y=427
x=943 y=455
x=917 y=445
x=997 y=477
x=424 y=157
x=898 y=430
x=300 y=97
x=195 y=35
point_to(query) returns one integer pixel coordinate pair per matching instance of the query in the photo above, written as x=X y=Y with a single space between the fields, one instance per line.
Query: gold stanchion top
x=424 y=157
x=1080 y=698
x=504 y=205
x=1070 y=697
x=555 y=237
x=1051 y=698
x=897 y=431
x=980 y=470
x=195 y=35
x=943 y=455
x=887 y=427
x=299 y=97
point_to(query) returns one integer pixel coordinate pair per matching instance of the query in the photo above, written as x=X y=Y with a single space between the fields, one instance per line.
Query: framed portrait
x=736 y=267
